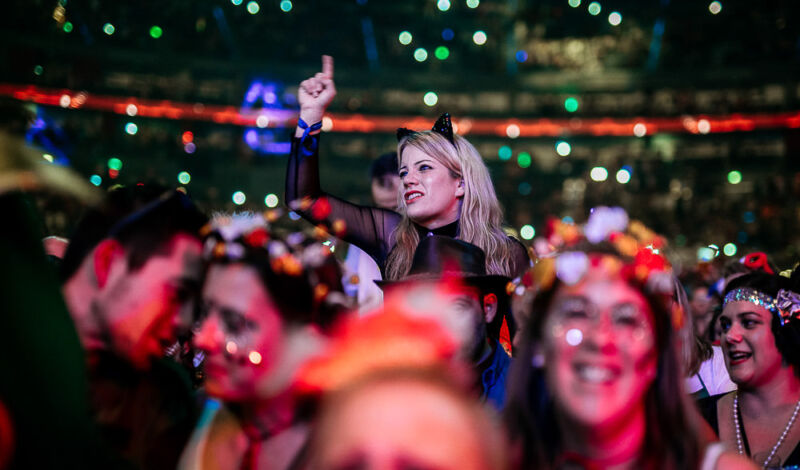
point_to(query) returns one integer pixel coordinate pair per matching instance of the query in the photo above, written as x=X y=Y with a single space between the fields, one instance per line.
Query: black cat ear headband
x=442 y=126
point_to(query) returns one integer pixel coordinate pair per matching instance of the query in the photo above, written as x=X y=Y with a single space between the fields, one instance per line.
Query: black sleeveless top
x=708 y=408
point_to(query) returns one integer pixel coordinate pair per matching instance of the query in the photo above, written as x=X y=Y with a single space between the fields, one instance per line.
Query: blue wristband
x=306 y=131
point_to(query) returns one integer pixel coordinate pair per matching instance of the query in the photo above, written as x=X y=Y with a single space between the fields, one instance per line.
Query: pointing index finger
x=327 y=66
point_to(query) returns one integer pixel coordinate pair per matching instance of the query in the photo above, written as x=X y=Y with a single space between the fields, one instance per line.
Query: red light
x=187 y=137
x=112 y=173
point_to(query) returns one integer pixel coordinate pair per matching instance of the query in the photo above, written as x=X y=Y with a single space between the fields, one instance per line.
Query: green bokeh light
x=524 y=160
x=571 y=104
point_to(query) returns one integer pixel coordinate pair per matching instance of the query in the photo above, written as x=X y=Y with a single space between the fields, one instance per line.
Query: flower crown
x=562 y=254
x=251 y=237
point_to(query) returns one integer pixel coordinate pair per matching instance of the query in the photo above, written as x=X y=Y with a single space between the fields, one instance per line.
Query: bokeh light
x=442 y=53
x=238 y=198
x=615 y=18
x=574 y=3
x=38 y=70
x=598 y=173
x=512 y=130
x=184 y=177
x=115 y=163
x=286 y=6
x=421 y=55
x=524 y=188
x=594 y=8
x=504 y=152
x=524 y=160
x=734 y=177
x=705 y=254
x=443 y=5
x=563 y=148
x=131 y=128
x=639 y=130
x=430 y=98
x=131 y=110
x=67 y=29
x=271 y=200
x=189 y=147
x=479 y=38
x=527 y=232
x=405 y=38
x=571 y=104
x=108 y=28
x=156 y=32
x=623 y=176
x=473 y=3
x=448 y=34
x=703 y=126
x=729 y=249
x=236 y=2
x=255 y=357
x=715 y=7
x=253 y=7
x=96 y=180
x=522 y=56
x=262 y=121
x=48 y=157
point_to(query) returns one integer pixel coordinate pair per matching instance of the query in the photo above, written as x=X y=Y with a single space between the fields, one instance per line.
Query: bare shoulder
x=732 y=461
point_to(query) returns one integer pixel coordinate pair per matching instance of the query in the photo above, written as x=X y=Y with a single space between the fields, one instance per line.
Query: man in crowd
x=444 y=266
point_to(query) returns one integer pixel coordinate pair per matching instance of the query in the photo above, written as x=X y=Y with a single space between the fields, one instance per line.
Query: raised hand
x=316 y=93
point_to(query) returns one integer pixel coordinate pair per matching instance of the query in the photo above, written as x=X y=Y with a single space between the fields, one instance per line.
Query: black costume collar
x=449 y=230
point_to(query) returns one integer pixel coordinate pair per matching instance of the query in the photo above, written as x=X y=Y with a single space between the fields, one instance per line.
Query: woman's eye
x=626 y=320
x=424 y=167
x=724 y=325
x=402 y=174
x=576 y=314
x=749 y=323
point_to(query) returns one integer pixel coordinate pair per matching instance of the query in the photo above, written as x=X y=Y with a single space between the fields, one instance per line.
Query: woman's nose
x=210 y=337
x=733 y=335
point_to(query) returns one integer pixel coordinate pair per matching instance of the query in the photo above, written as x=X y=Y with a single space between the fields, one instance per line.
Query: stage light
x=262 y=121
x=131 y=128
x=571 y=104
x=448 y=34
x=115 y=163
x=521 y=56
x=156 y=32
x=442 y=53
x=703 y=126
x=236 y=2
x=405 y=38
x=430 y=98
x=574 y=3
x=594 y=8
x=623 y=176
x=68 y=29
x=473 y=3
x=131 y=110
x=734 y=177
x=729 y=249
x=512 y=131
x=715 y=7
x=189 y=147
x=184 y=177
x=421 y=55
x=253 y=7
x=108 y=28
x=271 y=200
x=96 y=180
x=527 y=232
x=705 y=254
x=64 y=101
x=286 y=6
x=598 y=174
x=504 y=152
x=239 y=198
x=443 y=5
x=479 y=38
x=563 y=148
x=614 y=19
x=639 y=130
x=524 y=160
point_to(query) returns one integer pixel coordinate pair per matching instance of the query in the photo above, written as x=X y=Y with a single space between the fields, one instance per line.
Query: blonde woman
x=445 y=190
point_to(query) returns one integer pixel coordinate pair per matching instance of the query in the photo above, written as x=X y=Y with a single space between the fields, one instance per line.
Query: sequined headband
x=786 y=305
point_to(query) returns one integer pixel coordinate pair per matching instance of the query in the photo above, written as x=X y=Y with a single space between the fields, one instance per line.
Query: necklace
x=739 y=443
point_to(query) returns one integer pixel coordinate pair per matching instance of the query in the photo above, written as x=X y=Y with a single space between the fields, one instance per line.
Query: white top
x=368 y=295
x=713 y=375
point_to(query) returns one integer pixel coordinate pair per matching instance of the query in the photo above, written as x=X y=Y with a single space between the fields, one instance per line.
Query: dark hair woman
x=760 y=337
x=598 y=382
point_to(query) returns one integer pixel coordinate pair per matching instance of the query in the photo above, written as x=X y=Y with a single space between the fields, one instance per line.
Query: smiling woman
x=760 y=337
x=446 y=190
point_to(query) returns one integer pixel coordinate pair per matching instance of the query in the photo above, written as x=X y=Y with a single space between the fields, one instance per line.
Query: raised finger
x=327 y=65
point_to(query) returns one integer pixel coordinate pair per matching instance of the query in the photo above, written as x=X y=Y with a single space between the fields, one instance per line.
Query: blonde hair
x=481 y=218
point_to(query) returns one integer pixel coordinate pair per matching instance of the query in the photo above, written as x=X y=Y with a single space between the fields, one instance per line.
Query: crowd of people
x=159 y=336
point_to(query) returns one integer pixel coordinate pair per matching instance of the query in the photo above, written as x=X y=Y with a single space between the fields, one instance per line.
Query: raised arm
x=369 y=228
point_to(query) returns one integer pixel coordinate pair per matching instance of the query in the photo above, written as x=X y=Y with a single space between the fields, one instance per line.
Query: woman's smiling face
x=430 y=192
x=600 y=350
x=751 y=355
